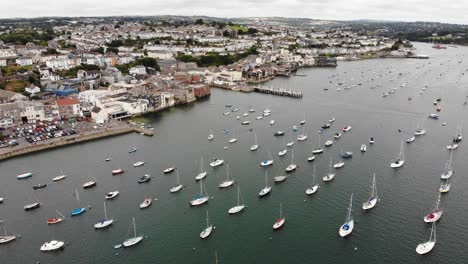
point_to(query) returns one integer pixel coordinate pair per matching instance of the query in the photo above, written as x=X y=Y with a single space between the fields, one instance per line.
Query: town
x=101 y=71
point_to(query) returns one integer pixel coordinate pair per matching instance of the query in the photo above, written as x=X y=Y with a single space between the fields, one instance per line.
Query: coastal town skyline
x=401 y=11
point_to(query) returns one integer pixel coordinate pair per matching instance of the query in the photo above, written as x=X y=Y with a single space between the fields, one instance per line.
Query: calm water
x=387 y=234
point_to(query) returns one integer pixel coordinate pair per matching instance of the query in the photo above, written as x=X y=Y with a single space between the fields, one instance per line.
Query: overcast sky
x=452 y=11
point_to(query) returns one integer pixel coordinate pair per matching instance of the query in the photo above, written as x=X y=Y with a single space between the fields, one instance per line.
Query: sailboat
x=329 y=176
x=133 y=240
x=341 y=163
x=201 y=198
x=216 y=162
x=208 y=230
x=303 y=120
x=255 y=145
x=265 y=191
x=303 y=136
x=291 y=167
x=60 y=177
x=348 y=225
x=104 y=222
x=290 y=143
x=178 y=186
x=24 y=175
x=448 y=172
x=228 y=182
x=233 y=139
x=6 y=238
x=147 y=202
x=419 y=131
x=138 y=164
x=436 y=214
x=426 y=247
x=372 y=201
x=268 y=161
x=318 y=149
x=56 y=220
x=90 y=183
x=281 y=220
x=210 y=136
x=283 y=151
x=314 y=186
x=202 y=173
x=78 y=210
x=400 y=160
x=112 y=195
x=410 y=139
x=445 y=187
x=239 y=207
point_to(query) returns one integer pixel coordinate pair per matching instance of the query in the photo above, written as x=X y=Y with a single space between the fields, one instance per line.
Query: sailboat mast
x=227 y=172
x=266 y=178
x=207 y=223
x=313 y=177
x=348 y=217
x=177 y=176
x=134 y=227
x=201 y=164
x=238 y=195
x=105 y=211
x=281 y=210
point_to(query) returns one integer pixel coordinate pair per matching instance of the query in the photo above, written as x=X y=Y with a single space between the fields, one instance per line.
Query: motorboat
x=168 y=170
x=328 y=143
x=32 y=206
x=280 y=178
x=232 y=140
x=144 y=178
x=78 y=211
x=445 y=187
x=133 y=150
x=272 y=122
x=434 y=116
x=118 y=171
x=311 y=158
x=112 y=195
x=52 y=245
x=246 y=122
x=347 y=155
x=89 y=184
x=337 y=135
x=331 y=120
x=259 y=117
x=347 y=128
x=279 y=133
x=410 y=139
x=326 y=126
x=371 y=140
x=146 y=203
x=39 y=186
x=419 y=132
x=363 y=148
x=216 y=162
x=294 y=128
x=338 y=165
x=24 y=176
x=138 y=164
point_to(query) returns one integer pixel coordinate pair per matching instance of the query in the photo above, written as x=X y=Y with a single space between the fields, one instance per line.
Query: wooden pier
x=280 y=92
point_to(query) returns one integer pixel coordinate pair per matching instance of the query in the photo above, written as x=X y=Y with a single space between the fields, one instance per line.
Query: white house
x=3 y=62
x=138 y=70
x=24 y=61
x=32 y=89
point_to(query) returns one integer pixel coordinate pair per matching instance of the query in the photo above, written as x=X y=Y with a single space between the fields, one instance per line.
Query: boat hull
x=369 y=204
x=199 y=201
x=425 y=248
x=236 y=209
x=312 y=189
x=206 y=232
x=346 y=229
x=132 y=241
x=279 y=223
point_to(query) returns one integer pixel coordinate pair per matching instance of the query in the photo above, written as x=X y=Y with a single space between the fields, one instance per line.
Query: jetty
x=279 y=91
x=73 y=139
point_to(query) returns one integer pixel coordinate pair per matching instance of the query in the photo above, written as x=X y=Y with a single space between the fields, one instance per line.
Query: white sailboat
x=283 y=151
x=104 y=222
x=348 y=225
x=457 y=139
x=280 y=221
x=239 y=207
x=178 y=186
x=339 y=164
x=448 y=172
x=202 y=173
x=60 y=177
x=228 y=182
x=216 y=162
x=303 y=136
x=400 y=160
x=268 y=161
x=208 y=230
x=303 y=120
x=329 y=176
x=314 y=186
x=265 y=191
x=290 y=143
x=133 y=240
x=436 y=214
x=445 y=187
x=372 y=201
x=5 y=238
x=291 y=167
x=318 y=149
x=426 y=247
x=201 y=198
x=255 y=145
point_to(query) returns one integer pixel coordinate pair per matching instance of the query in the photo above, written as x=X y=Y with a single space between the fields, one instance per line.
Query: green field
x=237 y=28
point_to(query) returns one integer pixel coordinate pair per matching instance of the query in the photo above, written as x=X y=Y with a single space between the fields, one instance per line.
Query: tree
x=226 y=33
x=199 y=21
x=117 y=26
x=50 y=51
x=252 y=31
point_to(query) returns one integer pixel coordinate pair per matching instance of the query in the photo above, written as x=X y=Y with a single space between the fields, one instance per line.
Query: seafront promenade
x=7 y=153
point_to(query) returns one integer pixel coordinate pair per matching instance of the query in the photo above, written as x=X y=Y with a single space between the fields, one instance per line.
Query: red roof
x=67 y=101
